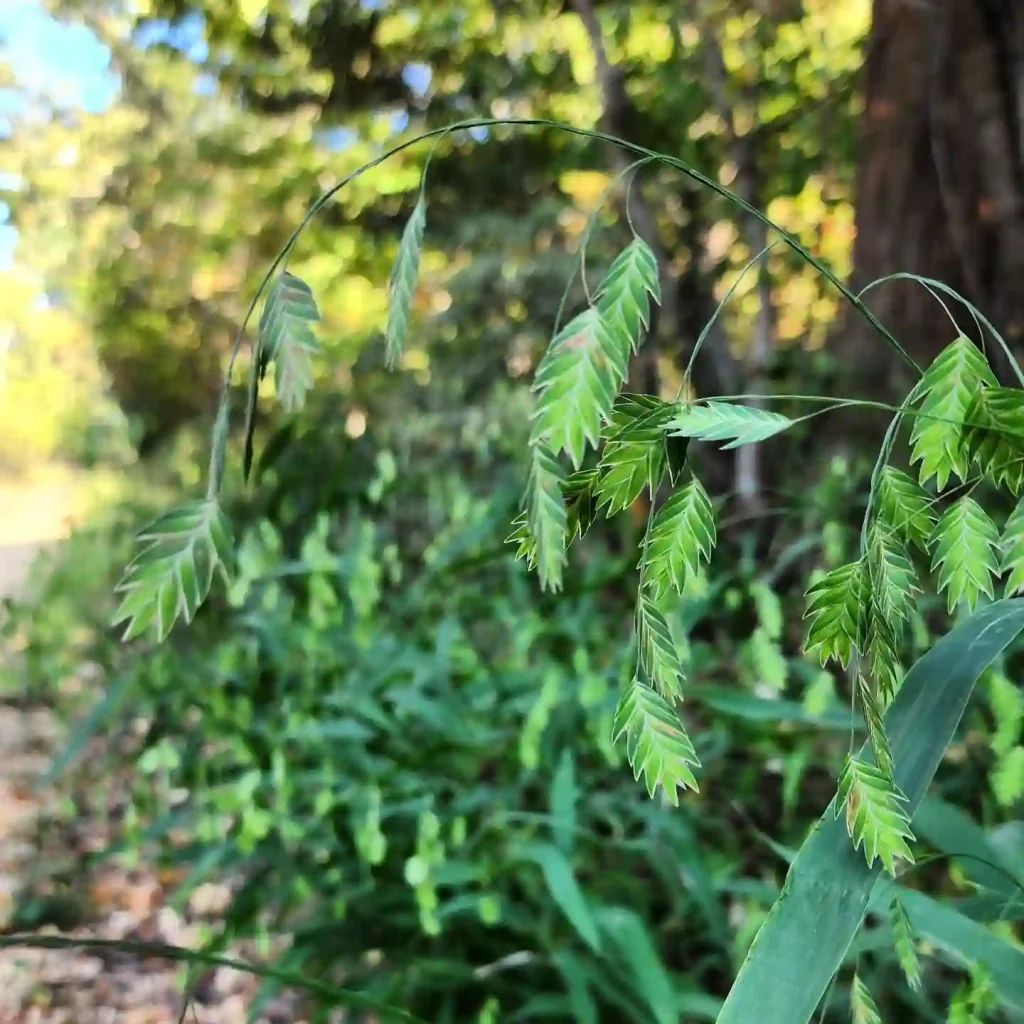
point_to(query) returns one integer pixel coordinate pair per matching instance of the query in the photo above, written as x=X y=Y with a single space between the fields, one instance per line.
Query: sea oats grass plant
x=594 y=450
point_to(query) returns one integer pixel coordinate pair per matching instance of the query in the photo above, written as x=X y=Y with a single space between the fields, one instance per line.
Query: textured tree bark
x=940 y=188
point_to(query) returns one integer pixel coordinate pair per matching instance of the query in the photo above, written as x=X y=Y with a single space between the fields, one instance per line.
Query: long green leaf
x=564 y=795
x=564 y=889
x=967 y=943
x=100 y=713
x=740 y=704
x=805 y=937
x=628 y=934
x=574 y=972
x=953 y=831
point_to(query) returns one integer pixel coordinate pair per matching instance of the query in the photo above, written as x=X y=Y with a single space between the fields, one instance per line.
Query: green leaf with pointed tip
x=905 y=943
x=862 y=1007
x=836 y=611
x=966 y=553
x=828 y=888
x=906 y=507
x=563 y=800
x=882 y=653
x=623 y=298
x=404 y=275
x=656 y=742
x=286 y=339
x=576 y=382
x=682 y=537
x=725 y=421
x=945 y=393
x=546 y=516
x=892 y=589
x=171 y=575
x=628 y=932
x=293 y=371
x=641 y=419
x=580 y=503
x=625 y=472
x=1012 y=549
x=564 y=889
x=580 y=510
x=631 y=410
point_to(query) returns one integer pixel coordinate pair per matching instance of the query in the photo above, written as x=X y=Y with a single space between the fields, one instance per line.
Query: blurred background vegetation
x=384 y=743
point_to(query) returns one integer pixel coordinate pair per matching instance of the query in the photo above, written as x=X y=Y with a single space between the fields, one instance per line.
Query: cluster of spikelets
x=964 y=428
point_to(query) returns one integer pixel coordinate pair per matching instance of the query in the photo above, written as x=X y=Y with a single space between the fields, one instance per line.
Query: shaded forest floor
x=111 y=902
x=41 y=842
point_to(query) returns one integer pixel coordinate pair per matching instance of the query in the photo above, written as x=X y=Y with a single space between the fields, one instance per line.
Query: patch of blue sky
x=187 y=35
x=64 y=64
x=417 y=77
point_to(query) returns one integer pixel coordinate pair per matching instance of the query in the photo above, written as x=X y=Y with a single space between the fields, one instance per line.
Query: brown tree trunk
x=940 y=188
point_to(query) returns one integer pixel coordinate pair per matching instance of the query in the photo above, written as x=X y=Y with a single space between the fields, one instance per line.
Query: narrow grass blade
x=100 y=713
x=565 y=890
x=805 y=937
x=966 y=942
x=953 y=831
x=628 y=934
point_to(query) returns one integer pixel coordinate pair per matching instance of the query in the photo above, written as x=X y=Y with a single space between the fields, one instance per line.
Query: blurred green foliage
x=148 y=220
x=398 y=752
